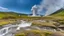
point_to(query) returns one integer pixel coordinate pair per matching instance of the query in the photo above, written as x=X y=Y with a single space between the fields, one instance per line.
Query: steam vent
x=34 y=10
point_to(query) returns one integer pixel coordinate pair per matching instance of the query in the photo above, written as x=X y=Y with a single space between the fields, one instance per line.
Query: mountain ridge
x=58 y=13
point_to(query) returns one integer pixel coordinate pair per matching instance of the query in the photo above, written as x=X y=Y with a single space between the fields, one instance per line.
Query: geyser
x=51 y=6
x=34 y=10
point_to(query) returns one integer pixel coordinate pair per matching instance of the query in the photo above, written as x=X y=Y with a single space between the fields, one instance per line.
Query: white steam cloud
x=50 y=6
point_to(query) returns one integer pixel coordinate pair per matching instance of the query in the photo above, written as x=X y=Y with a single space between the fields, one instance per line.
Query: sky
x=20 y=6
x=45 y=7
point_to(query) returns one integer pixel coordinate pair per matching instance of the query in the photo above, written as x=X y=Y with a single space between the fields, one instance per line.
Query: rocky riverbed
x=10 y=30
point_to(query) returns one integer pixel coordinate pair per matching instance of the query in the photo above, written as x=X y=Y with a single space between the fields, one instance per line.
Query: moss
x=22 y=34
x=47 y=34
x=5 y=22
x=34 y=33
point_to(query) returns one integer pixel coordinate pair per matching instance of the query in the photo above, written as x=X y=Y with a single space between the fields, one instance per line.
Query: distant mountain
x=11 y=14
x=58 y=13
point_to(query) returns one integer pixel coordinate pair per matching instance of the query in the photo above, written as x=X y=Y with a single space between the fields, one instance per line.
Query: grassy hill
x=59 y=13
x=10 y=15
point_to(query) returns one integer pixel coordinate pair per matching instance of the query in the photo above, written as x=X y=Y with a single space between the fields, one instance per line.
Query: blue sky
x=46 y=7
x=21 y=6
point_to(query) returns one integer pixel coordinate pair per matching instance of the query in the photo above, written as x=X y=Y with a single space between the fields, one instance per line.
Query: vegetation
x=57 y=17
x=10 y=14
x=11 y=17
x=59 y=13
x=34 y=33
x=38 y=33
x=7 y=21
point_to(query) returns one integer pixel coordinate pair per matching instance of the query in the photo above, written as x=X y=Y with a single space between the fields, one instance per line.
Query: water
x=24 y=24
x=11 y=28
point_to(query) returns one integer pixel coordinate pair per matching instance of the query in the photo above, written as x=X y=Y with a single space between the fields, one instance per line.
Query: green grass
x=37 y=33
x=8 y=17
x=9 y=21
x=33 y=33
x=55 y=16
x=58 y=16
x=10 y=14
x=59 y=13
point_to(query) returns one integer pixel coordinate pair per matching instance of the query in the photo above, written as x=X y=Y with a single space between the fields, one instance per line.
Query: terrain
x=53 y=21
x=9 y=17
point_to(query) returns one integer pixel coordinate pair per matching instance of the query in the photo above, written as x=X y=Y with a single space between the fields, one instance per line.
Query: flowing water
x=9 y=29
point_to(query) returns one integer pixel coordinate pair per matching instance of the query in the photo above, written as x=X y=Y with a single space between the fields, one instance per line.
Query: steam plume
x=50 y=6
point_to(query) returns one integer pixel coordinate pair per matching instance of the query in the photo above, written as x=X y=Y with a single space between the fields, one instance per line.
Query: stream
x=9 y=30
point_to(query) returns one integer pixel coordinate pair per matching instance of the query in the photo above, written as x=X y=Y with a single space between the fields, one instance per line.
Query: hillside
x=59 y=13
x=9 y=17
x=10 y=14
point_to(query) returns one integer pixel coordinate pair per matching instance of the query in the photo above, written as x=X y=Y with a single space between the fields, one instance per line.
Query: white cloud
x=3 y=9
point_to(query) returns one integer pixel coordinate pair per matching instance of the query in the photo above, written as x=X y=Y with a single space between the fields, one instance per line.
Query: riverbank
x=38 y=33
x=36 y=25
x=7 y=21
x=40 y=23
